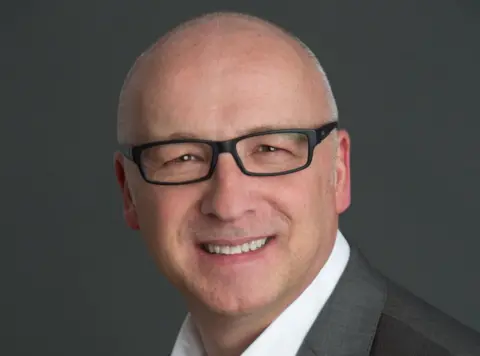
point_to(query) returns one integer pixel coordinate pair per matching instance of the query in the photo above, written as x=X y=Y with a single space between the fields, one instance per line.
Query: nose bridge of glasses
x=228 y=146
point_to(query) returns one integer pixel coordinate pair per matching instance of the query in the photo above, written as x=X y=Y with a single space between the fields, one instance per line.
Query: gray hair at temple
x=332 y=103
x=330 y=97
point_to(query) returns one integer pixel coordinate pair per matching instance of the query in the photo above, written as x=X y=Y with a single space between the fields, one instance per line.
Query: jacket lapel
x=347 y=324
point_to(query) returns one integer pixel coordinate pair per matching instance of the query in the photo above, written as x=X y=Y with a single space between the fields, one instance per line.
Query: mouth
x=240 y=249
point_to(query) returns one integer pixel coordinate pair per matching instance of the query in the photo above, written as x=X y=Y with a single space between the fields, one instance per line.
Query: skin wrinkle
x=219 y=76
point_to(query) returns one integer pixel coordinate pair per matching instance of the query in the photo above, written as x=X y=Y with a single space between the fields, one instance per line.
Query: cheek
x=162 y=211
x=310 y=204
x=305 y=194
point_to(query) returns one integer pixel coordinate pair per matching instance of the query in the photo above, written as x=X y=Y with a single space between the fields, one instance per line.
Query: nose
x=228 y=197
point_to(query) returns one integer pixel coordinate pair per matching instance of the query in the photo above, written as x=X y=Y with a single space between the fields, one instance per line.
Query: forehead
x=224 y=92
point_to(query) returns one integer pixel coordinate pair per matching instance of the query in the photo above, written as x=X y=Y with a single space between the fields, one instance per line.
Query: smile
x=236 y=249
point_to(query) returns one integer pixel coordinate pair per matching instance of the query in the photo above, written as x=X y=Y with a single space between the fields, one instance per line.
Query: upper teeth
x=232 y=250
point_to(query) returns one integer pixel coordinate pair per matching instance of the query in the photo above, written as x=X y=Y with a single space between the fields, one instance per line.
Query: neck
x=229 y=336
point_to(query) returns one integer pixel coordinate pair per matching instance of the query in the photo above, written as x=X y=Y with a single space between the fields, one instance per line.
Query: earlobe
x=130 y=215
x=129 y=208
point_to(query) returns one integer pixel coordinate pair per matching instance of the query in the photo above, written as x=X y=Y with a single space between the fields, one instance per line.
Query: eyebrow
x=256 y=129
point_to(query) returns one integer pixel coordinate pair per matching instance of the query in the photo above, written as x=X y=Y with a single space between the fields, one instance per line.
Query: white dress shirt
x=284 y=336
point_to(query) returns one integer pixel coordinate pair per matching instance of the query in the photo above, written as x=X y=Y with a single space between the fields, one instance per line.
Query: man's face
x=219 y=100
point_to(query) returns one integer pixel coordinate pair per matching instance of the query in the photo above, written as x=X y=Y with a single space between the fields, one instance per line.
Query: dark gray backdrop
x=405 y=74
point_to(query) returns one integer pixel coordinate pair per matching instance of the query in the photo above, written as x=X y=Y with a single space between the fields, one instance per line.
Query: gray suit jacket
x=367 y=314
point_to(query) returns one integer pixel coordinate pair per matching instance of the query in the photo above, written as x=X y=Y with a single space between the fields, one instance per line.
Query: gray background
x=405 y=74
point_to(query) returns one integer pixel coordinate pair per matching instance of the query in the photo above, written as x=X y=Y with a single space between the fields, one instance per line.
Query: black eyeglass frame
x=315 y=137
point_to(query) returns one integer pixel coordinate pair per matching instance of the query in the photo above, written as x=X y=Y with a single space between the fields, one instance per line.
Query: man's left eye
x=266 y=148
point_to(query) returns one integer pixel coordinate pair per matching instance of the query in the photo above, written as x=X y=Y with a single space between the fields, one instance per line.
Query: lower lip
x=239 y=257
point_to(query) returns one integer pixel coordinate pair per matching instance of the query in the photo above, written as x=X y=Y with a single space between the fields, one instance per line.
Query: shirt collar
x=286 y=333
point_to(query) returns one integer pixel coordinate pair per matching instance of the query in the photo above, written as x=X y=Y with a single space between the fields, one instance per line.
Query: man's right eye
x=184 y=158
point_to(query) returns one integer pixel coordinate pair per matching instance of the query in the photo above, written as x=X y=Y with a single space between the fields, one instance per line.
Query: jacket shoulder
x=410 y=326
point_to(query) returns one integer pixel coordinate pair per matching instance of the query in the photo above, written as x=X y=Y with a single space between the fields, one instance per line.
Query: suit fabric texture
x=367 y=314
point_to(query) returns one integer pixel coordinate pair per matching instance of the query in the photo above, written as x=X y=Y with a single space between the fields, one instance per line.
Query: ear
x=342 y=169
x=129 y=210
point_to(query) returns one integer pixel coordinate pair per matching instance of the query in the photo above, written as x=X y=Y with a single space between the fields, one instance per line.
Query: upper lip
x=233 y=242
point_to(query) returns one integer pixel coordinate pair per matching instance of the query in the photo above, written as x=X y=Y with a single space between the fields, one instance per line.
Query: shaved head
x=214 y=37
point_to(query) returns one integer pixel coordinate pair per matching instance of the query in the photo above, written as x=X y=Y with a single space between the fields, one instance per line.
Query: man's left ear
x=342 y=172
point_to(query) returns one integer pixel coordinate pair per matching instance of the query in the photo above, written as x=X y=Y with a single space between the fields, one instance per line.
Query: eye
x=266 y=148
x=182 y=159
x=186 y=158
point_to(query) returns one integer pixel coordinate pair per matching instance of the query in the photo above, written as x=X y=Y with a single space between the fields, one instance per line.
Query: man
x=235 y=171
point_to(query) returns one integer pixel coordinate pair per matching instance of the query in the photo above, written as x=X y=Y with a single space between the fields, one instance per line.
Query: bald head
x=258 y=91
x=204 y=50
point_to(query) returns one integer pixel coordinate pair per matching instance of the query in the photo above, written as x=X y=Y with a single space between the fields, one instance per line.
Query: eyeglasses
x=268 y=153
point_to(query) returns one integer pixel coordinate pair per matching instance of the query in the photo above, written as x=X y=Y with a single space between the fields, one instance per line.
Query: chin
x=238 y=303
x=237 y=307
